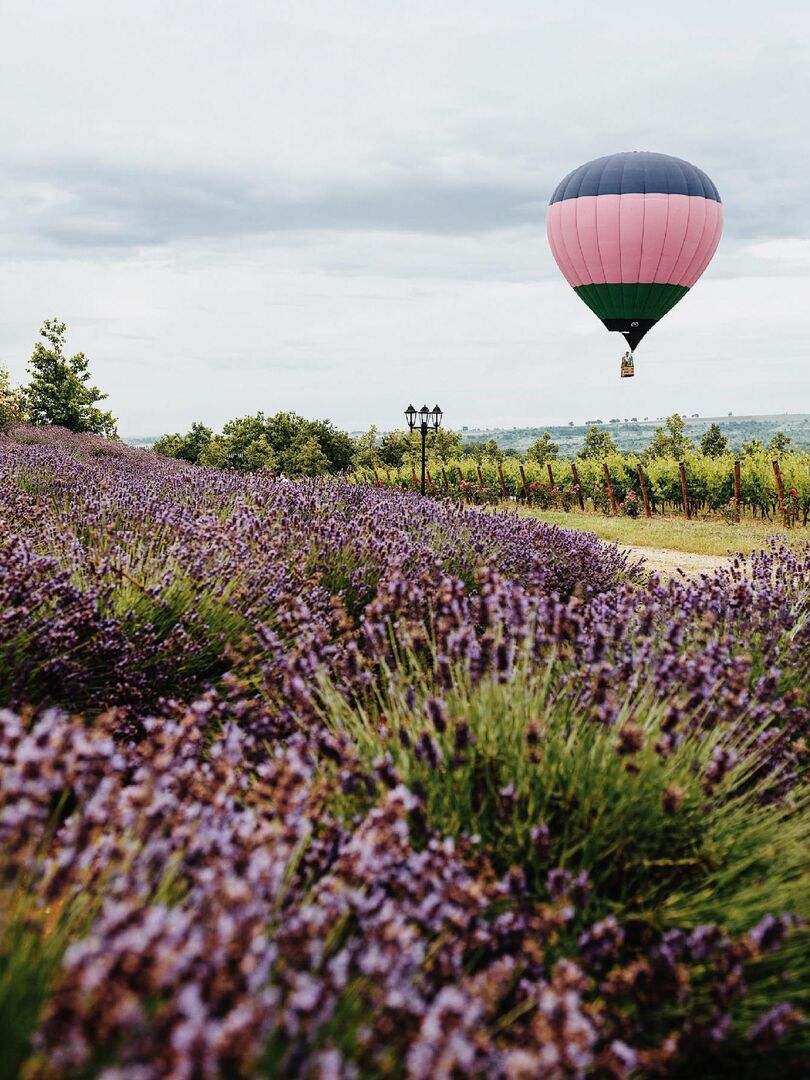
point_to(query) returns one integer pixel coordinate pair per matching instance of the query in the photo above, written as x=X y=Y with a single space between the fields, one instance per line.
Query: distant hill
x=635 y=433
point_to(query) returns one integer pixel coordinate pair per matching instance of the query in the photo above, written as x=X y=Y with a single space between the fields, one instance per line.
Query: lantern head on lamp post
x=427 y=420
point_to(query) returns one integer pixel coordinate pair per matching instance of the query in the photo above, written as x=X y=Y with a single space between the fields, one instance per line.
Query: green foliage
x=213 y=453
x=12 y=405
x=598 y=444
x=305 y=458
x=714 y=443
x=366 y=454
x=780 y=443
x=246 y=443
x=401 y=449
x=484 y=451
x=672 y=442
x=60 y=391
x=394 y=445
x=285 y=442
x=543 y=450
x=186 y=447
x=752 y=447
x=733 y=859
x=710 y=481
x=443 y=445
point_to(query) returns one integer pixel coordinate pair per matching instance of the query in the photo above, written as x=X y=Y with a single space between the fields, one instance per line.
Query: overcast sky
x=339 y=207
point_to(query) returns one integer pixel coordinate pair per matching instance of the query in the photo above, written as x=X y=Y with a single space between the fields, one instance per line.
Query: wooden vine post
x=429 y=483
x=737 y=492
x=480 y=475
x=780 y=487
x=550 y=474
x=577 y=484
x=684 y=491
x=525 y=485
x=613 y=504
x=504 y=492
x=643 y=481
x=444 y=479
x=413 y=476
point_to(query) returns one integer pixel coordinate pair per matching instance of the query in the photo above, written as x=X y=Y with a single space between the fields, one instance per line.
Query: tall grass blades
x=321 y=780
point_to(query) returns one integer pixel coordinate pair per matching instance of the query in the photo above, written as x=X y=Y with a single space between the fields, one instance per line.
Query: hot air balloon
x=632 y=233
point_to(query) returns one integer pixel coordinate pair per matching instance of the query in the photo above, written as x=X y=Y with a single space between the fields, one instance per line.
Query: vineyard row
x=775 y=488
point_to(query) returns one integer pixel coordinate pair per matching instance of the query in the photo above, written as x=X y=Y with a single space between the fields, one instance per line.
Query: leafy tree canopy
x=60 y=391
x=12 y=405
x=714 y=443
x=285 y=441
x=543 y=450
x=402 y=448
x=752 y=447
x=481 y=451
x=598 y=444
x=780 y=443
x=394 y=445
x=306 y=457
x=366 y=455
x=673 y=442
x=187 y=447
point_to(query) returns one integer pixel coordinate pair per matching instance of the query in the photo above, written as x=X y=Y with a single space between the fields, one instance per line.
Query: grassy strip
x=704 y=536
x=660 y=844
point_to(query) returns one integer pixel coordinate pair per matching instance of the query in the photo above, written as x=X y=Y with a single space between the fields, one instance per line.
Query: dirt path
x=668 y=562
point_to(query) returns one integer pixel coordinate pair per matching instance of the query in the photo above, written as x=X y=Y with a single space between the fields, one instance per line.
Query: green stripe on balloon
x=631 y=301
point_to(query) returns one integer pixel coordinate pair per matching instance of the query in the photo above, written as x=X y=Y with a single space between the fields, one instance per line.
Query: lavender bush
x=323 y=781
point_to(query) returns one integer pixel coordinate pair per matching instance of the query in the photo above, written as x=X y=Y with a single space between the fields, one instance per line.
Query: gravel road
x=668 y=562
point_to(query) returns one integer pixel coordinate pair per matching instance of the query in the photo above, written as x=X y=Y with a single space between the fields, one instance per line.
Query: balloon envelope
x=632 y=233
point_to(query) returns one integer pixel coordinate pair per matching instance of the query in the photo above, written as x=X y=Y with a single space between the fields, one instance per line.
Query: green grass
x=724 y=857
x=702 y=536
x=721 y=856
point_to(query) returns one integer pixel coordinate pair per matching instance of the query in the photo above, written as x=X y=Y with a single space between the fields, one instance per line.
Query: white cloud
x=333 y=206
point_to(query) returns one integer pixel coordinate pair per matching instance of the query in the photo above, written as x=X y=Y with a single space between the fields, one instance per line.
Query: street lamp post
x=427 y=420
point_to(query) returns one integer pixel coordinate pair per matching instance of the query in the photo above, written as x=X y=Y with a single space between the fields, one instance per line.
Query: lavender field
x=316 y=780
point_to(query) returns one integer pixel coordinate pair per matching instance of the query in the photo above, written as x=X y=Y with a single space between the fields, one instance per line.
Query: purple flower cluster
x=130 y=578
x=240 y=927
x=240 y=891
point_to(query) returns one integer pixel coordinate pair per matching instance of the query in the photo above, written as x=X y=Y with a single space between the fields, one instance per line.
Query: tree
x=780 y=443
x=337 y=446
x=672 y=443
x=60 y=390
x=714 y=443
x=305 y=458
x=12 y=408
x=252 y=443
x=493 y=451
x=257 y=456
x=543 y=449
x=443 y=445
x=752 y=448
x=598 y=444
x=188 y=447
x=248 y=439
x=214 y=454
x=365 y=450
x=394 y=445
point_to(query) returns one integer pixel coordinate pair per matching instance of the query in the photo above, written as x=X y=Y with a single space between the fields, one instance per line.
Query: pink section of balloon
x=666 y=239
